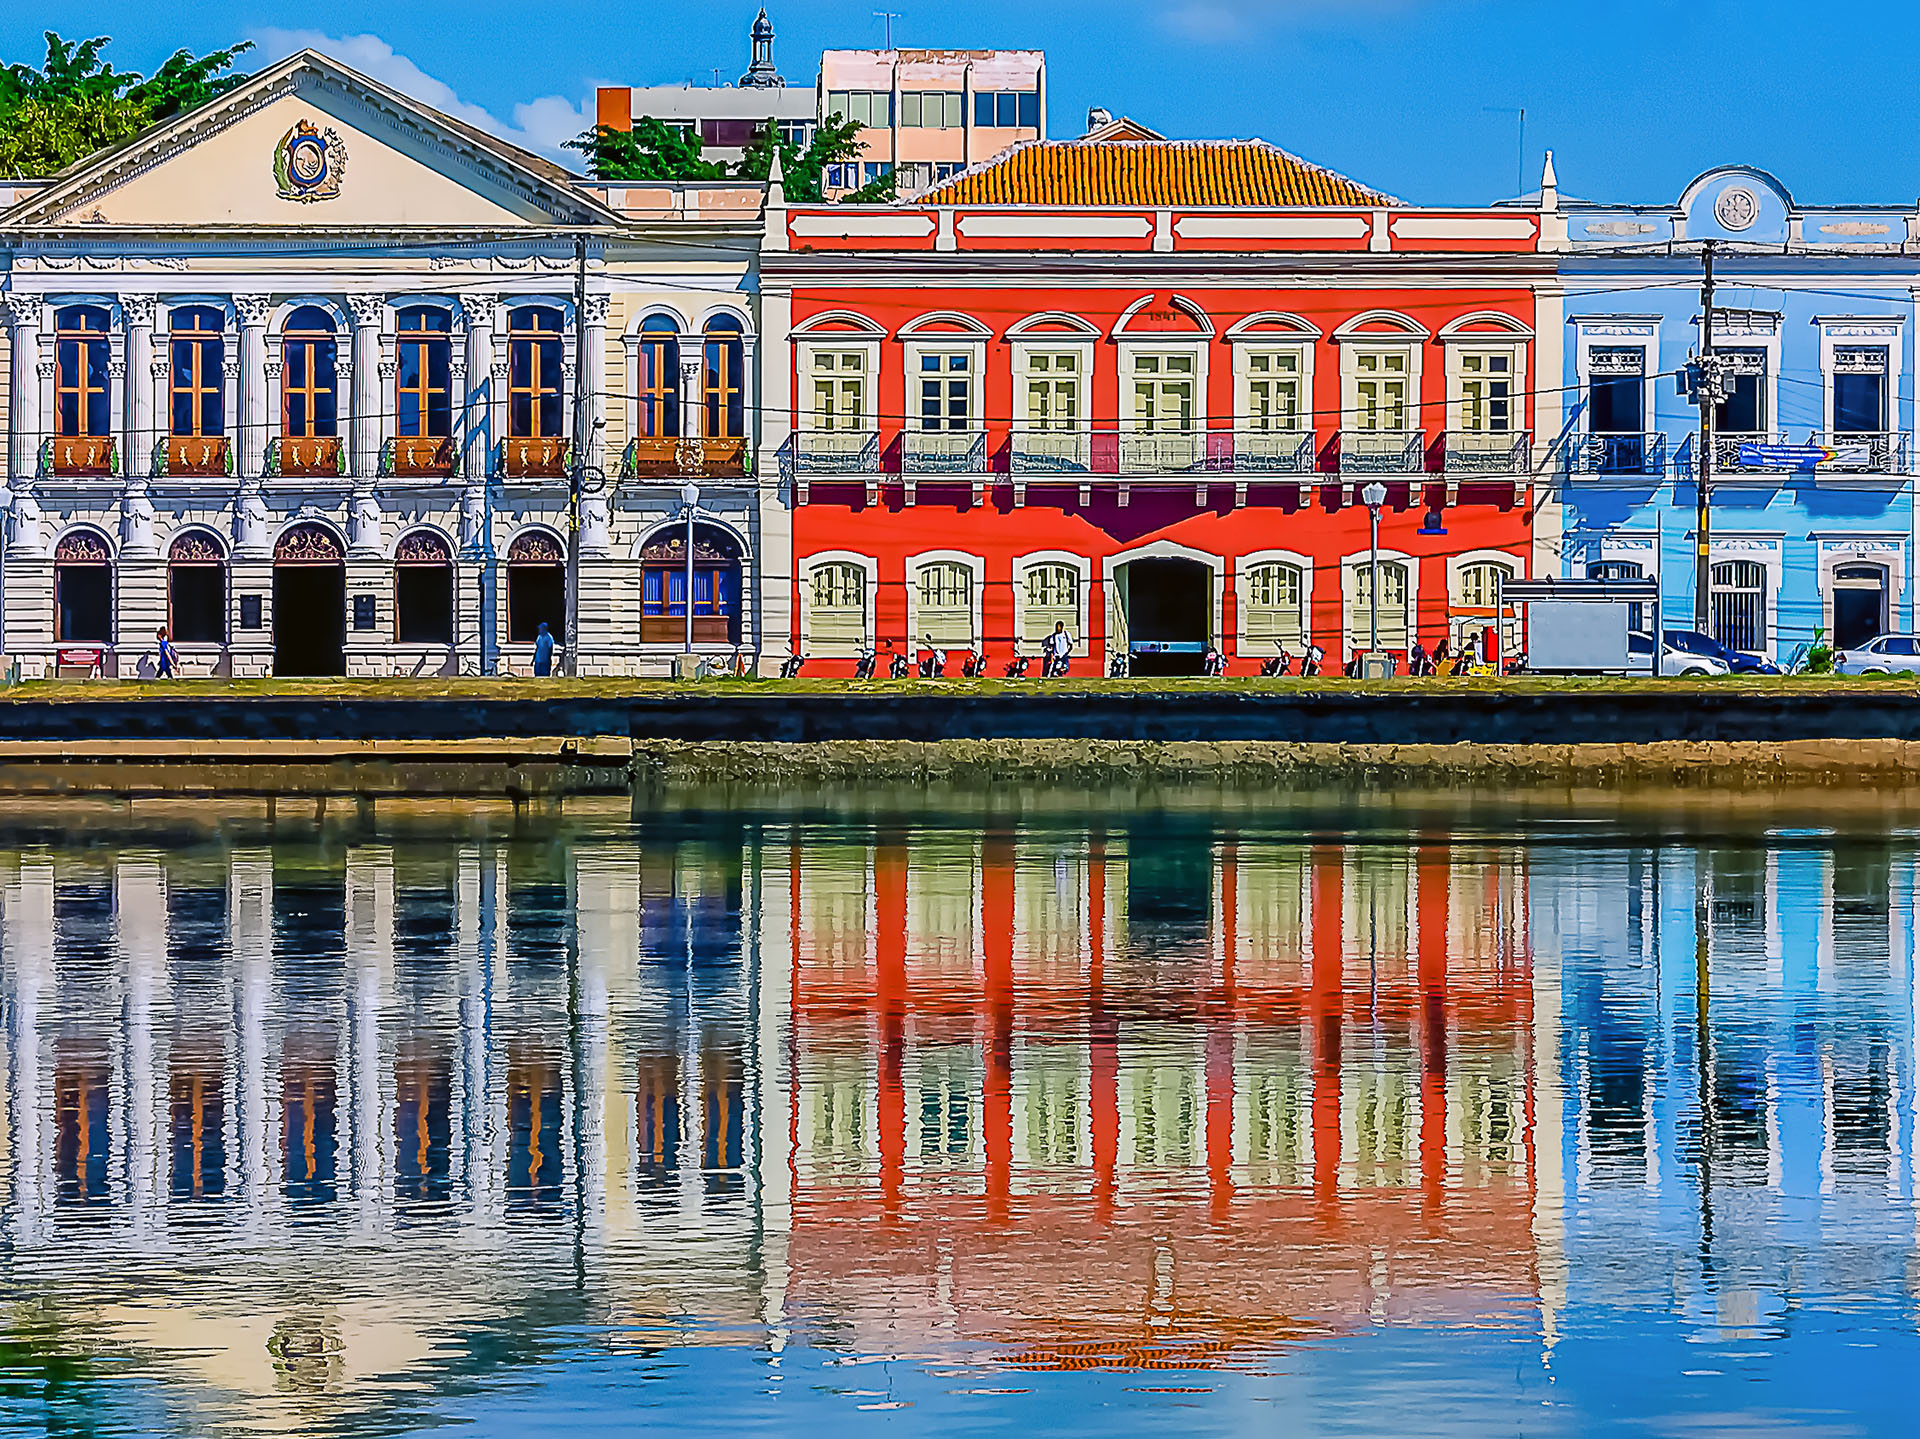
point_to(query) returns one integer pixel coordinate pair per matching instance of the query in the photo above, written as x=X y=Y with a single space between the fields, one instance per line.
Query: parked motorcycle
x=790 y=666
x=933 y=664
x=863 y=667
x=1120 y=666
x=1213 y=663
x=1017 y=667
x=901 y=666
x=975 y=664
x=1279 y=664
x=1311 y=661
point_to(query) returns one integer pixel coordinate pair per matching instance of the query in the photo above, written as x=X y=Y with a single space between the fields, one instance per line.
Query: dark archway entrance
x=1859 y=604
x=1169 y=615
x=309 y=603
x=716 y=586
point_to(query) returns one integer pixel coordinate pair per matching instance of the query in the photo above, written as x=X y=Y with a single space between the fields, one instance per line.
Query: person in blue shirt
x=169 y=665
x=543 y=651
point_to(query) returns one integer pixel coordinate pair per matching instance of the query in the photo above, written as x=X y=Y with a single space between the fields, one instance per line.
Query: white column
x=477 y=431
x=140 y=432
x=26 y=943
x=368 y=426
x=250 y=905
x=252 y=432
x=23 y=313
x=595 y=370
x=140 y=935
x=370 y=943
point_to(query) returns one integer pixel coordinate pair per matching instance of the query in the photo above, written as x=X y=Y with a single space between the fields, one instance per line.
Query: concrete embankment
x=547 y=770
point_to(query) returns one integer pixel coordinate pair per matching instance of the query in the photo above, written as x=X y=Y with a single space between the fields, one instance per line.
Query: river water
x=1177 y=1114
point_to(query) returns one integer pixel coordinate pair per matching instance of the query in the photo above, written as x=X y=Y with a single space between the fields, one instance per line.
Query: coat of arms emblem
x=309 y=163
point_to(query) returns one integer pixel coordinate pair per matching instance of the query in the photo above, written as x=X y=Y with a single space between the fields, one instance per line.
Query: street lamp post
x=1373 y=496
x=690 y=492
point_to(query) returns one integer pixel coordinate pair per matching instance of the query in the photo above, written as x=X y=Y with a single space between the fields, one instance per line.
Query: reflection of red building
x=1138 y=389
x=1015 y=1122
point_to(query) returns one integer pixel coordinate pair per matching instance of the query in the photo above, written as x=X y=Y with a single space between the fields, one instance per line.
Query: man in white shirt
x=1058 y=649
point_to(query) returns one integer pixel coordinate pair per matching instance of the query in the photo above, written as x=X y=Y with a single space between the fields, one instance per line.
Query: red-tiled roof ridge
x=1125 y=172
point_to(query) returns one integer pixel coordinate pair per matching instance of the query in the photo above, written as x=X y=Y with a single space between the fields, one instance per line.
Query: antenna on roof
x=889 y=16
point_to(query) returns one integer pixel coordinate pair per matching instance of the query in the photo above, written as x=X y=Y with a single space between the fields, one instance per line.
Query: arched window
x=837 y=609
x=534 y=373
x=723 y=387
x=197 y=589
x=1051 y=596
x=536 y=587
x=82 y=411
x=82 y=590
x=197 y=414
x=310 y=394
x=716 y=586
x=659 y=378
x=423 y=589
x=1739 y=592
x=1479 y=586
x=423 y=390
x=1393 y=605
x=944 y=613
x=1274 y=619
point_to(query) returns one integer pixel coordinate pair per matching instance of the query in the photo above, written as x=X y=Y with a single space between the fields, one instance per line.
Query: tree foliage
x=76 y=102
x=653 y=150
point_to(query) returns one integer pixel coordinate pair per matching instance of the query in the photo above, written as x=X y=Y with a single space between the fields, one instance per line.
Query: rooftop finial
x=1549 y=186
x=760 y=74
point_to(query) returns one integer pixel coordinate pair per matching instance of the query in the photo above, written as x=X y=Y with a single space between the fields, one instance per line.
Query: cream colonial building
x=294 y=375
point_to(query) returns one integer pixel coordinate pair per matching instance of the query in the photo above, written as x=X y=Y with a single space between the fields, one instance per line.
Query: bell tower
x=760 y=74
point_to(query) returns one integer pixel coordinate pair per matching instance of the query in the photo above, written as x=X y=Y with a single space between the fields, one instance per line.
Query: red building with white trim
x=1140 y=388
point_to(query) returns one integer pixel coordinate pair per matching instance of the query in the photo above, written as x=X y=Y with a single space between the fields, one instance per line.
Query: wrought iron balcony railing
x=1617 y=454
x=1881 y=452
x=943 y=452
x=306 y=457
x=1269 y=452
x=1726 y=452
x=1050 y=452
x=836 y=452
x=1487 y=452
x=1383 y=452
x=79 y=456
x=1160 y=452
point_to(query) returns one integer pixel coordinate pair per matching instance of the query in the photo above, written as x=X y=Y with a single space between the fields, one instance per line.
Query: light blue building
x=1814 y=315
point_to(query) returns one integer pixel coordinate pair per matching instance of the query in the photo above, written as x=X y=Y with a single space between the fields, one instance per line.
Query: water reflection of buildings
x=1158 y=1093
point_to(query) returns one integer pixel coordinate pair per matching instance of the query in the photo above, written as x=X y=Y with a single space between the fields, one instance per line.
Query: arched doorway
x=536 y=587
x=197 y=589
x=1166 y=606
x=716 y=587
x=82 y=590
x=423 y=589
x=309 y=603
x=1859 y=604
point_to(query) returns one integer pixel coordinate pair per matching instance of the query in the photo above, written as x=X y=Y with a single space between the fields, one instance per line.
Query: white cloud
x=539 y=125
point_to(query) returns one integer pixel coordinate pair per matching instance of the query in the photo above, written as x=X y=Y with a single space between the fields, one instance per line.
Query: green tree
x=76 y=102
x=803 y=172
x=651 y=150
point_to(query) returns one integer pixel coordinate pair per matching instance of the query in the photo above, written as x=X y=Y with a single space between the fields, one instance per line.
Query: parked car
x=1883 y=655
x=1673 y=659
x=1693 y=642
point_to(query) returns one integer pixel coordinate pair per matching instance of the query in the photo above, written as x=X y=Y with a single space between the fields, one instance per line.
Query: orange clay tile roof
x=1149 y=172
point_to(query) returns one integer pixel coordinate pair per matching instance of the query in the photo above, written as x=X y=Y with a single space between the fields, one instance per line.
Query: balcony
x=1617 y=454
x=1383 y=452
x=1162 y=452
x=1879 y=452
x=1726 y=452
x=195 y=456
x=1050 y=452
x=664 y=457
x=1269 y=452
x=1487 y=452
x=534 y=458
x=317 y=457
x=417 y=457
x=943 y=452
x=836 y=452
x=80 y=456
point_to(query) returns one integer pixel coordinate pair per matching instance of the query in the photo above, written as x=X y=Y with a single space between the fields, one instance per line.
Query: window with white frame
x=1053 y=389
x=1380 y=390
x=837 y=609
x=871 y=108
x=1270 y=396
x=1393 y=604
x=1486 y=390
x=931 y=109
x=946 y=390
x=1274 y=617
x=943 y=591
x=1860 y=389
x=1477 y=586
x=1163 y=391
x=1738 y=589
x=839 y=390
x=1744 y=411
x=1050 y=596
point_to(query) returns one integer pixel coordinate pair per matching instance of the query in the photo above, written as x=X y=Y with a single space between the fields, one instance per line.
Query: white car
x=1883 y=655
x=1673 y=660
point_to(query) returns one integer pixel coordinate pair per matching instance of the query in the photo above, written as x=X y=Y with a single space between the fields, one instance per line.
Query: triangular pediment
x=305 y=144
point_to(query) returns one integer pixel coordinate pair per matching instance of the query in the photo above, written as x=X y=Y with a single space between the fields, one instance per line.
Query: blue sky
x=1414 y=96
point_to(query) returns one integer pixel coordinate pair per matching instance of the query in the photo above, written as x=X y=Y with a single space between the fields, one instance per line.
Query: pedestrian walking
x=169 y=661
x=543 y=651
x=1059 y=649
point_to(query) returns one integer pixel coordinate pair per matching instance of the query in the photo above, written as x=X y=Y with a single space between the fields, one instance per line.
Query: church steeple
x=760 y=74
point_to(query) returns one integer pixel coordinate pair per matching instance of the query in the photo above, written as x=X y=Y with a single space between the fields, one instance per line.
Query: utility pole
x=1707 y=392
x=576 y=472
